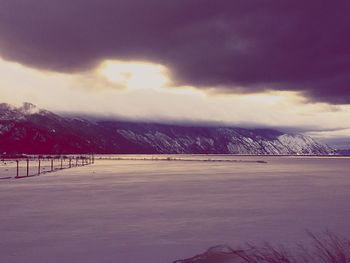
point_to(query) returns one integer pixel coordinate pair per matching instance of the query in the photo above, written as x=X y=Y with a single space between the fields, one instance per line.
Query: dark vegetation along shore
x=326 y=248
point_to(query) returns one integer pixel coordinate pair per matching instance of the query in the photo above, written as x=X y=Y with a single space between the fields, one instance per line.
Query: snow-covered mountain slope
x=226 y=140
x=9 y=112
x=29 y=130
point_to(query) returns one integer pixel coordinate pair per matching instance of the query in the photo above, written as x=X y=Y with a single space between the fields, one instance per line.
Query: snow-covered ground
x=158 y=211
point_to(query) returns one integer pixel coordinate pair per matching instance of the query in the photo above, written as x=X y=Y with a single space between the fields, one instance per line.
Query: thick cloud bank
x=254 y=45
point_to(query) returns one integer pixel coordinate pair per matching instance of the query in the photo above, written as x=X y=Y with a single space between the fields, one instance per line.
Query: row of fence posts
x=73 y=162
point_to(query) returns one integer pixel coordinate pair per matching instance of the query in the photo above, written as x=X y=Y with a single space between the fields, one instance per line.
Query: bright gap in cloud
x=134 y=75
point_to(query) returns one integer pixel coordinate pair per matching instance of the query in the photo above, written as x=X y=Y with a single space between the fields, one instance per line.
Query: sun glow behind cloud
x=134 y=75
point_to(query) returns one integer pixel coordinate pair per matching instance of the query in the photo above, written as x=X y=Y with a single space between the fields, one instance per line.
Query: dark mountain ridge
x=33 y=131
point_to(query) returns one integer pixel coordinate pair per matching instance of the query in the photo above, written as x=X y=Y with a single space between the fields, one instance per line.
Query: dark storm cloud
x=255 y=44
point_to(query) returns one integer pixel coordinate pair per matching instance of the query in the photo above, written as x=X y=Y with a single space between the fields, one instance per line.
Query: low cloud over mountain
x=26 y=130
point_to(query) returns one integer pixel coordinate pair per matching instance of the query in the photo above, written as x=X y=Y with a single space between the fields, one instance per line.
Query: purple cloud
x=255 y=44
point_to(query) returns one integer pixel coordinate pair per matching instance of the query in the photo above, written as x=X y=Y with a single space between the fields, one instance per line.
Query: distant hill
x=344 y=152
x=30 y=130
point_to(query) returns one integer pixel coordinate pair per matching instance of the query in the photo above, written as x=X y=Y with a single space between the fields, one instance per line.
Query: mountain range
x=30 y=130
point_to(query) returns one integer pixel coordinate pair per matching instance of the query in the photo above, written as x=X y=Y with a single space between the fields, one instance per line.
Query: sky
x=256 y=63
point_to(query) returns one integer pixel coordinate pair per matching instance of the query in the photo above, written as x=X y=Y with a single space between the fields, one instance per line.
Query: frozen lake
x=157 y=211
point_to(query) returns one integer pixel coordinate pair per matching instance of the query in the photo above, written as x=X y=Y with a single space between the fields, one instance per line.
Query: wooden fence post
x=17 y=168
x=27 y=167
x=39 y=166
x=70 y=162
x=61 y=164
x=51 y=165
